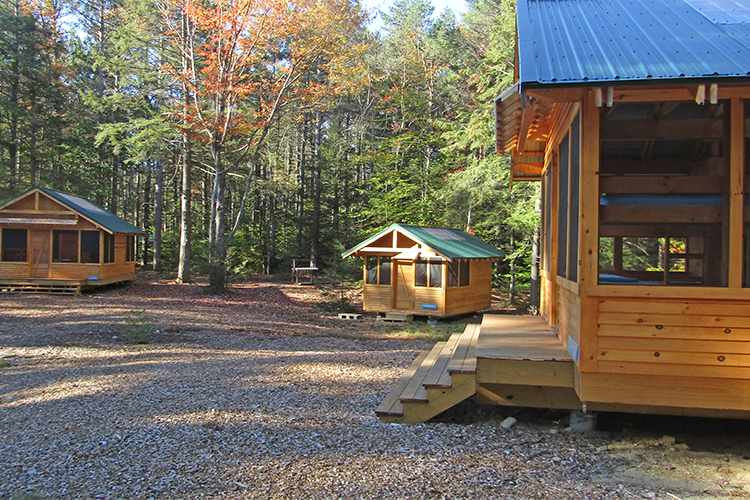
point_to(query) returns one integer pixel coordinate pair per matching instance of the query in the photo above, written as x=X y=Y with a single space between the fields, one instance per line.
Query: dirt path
x=258 y=394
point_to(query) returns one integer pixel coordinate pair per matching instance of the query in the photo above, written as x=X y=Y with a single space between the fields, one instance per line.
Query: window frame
x=4 y=247
x=88 y=233
x=430 y=265
x=380 y=277
x=58 y=246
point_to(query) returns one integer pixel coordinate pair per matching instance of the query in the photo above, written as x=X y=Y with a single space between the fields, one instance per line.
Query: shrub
x=138 y=327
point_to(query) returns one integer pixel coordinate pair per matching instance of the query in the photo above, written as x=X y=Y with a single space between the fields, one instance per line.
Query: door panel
x=40 y=264
x=404 y=289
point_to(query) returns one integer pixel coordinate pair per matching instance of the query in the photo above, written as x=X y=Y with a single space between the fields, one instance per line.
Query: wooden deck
x=507 y=360
x=520 y=362
x=41 y=285
x=519 y=338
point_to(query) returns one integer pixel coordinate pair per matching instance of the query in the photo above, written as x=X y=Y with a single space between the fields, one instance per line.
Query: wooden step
x=463 y=360
x=427 y=388
x=415 y=389
x=391 y=405
x=438 y=375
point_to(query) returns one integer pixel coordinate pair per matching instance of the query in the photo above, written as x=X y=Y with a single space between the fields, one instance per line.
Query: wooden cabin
x=633 y=116
x=426 y=271
x=60 y=243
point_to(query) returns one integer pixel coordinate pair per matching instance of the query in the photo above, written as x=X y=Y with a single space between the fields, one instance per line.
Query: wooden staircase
x=437 y=380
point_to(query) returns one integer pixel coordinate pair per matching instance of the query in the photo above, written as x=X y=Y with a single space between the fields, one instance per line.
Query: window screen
x=575 y=154
x=90 y=247
x=562 y=208
x=436 y=273
x=130 y=248
x=371 y=273
x=65 y=246
x=420 y=273
x=109 y=248
x=453 y=273
x=15 y=245
x=385 y=271
x=465 y=272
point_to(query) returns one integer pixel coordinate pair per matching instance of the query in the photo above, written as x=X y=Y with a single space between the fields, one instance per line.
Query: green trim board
x=104 y=218
x=446 y=242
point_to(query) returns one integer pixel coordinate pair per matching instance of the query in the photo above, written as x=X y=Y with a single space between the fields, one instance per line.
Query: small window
x=130 y=248
x=385 y=271
x=420 y=273
x=465 y=273
x=89 y=247
x=15 y=245
x=371 y=274
x=436 y=274
x=452 y=273
x=65 y=246
x=109 y=248
x=378 y=270
x=429 y=273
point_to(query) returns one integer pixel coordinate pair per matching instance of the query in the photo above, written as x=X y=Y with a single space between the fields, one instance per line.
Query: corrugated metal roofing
x=580 y=41
x=450 y=243
x=88 y=209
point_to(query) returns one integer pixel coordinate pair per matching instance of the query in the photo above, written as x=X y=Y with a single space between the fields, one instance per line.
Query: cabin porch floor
x=507 y=360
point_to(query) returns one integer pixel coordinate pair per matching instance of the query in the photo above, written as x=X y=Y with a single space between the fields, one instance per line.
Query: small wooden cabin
x=426 y=271
x=634 y=118
x=55 y=242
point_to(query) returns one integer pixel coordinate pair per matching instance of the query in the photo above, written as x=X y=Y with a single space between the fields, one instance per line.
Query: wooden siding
x=428 y=296
x=441 y=301
x=377 y=298
x=476 y=296
x=692 y=338
x=569 y=315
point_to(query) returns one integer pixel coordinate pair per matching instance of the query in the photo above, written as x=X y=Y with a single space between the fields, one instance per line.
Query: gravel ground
x=257 y=395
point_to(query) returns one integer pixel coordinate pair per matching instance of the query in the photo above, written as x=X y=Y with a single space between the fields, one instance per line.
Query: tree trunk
x=301 y=191
x=146 y=215
x=183 y=267
x=217 y=242
x=158 y=212
x=534 y=301
x=315 y=223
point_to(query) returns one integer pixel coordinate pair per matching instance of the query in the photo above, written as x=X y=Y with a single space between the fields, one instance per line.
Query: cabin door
x=40 y=264
x=403 y=292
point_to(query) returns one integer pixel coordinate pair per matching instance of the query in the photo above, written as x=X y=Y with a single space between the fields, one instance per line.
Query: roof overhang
x=522 y=128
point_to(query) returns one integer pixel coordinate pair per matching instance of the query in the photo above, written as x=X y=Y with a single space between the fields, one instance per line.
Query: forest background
x=242 y=134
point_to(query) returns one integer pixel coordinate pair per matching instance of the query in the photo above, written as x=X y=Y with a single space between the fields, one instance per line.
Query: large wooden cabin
x=60 y=243
x=426 y=271
x=634 y=118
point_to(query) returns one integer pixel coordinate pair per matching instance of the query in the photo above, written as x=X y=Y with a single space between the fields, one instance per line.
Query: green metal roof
x=449 y=243
x=88 y=209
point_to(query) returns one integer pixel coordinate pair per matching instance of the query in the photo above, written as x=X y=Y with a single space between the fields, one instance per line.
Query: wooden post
x=617 y=253
x=589 y=232
x=736 y=190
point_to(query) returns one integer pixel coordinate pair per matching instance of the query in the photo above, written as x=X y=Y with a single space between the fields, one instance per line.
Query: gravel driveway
x=227 y=412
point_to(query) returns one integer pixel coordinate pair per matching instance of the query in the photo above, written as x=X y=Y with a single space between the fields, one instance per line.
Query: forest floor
x=265 y=393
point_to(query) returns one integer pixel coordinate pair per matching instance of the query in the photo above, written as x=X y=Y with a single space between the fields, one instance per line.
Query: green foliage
x=4 y=363
x=408 y=136
x=138 y=327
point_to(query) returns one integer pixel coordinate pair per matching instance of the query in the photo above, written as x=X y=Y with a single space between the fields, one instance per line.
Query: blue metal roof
x=590 y=41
